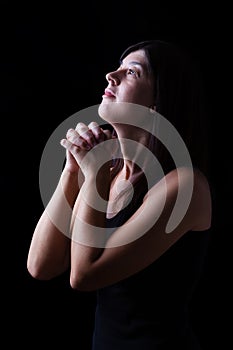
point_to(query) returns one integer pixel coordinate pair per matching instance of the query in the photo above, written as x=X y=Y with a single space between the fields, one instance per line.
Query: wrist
x=101 y=181
x=70 y=185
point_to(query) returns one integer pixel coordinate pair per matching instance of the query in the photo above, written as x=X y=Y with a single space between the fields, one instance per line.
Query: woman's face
x=129 y=87
x=130 y=83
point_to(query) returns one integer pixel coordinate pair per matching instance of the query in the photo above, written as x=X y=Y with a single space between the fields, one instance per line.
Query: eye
x=132 y=72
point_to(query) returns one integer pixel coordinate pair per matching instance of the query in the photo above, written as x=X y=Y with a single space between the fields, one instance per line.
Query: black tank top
x=150 y=310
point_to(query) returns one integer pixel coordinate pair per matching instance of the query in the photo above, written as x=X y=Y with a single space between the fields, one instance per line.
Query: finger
x=74 y=137
x=67 y=144
x=81 y=128
x=107 y=134
x=71 y=147
x=97 y=131
x=86 y=134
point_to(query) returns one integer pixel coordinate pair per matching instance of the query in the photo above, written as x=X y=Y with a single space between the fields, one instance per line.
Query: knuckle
x=69 y=132
x=93 y=125
x=81 y=128
x=81 y=142
x=74 y=149
x=81 y=125
x=71 y=138
x=89 y=137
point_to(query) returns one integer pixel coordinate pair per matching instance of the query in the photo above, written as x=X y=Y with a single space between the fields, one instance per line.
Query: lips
x=109 y=93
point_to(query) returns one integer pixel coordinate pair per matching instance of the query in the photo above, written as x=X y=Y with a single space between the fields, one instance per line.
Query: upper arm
x=144 y=237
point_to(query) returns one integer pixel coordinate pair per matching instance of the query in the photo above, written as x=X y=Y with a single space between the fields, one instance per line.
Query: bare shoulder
x=186 y=198
x=187 y=194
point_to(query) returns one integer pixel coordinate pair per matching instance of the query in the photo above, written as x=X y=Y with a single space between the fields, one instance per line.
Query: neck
x=130 y=171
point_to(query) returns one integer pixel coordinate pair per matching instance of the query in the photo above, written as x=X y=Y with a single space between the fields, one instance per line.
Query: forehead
x=136 y=57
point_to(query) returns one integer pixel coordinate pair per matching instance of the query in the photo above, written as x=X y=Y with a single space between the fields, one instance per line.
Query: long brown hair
x=179 y=97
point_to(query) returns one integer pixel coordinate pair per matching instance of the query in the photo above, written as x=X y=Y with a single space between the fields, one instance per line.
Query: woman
x=140 y=213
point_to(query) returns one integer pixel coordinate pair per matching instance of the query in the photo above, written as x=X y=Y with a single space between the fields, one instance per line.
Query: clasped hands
x=88 y=147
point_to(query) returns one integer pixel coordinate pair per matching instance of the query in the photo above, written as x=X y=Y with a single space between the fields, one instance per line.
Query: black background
x=53 y=63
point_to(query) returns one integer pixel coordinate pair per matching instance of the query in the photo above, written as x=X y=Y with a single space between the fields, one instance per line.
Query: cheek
x=131 y=95
x=140 y=94
x=143 y=97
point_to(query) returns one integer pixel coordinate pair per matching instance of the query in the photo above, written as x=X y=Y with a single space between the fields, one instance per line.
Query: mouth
x=108 y=93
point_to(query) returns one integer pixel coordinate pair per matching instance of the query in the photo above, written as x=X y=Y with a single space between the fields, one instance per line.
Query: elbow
x=81 y=282
x=37 y=271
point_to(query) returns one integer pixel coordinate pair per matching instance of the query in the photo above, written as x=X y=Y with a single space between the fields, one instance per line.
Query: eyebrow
x=136 y=63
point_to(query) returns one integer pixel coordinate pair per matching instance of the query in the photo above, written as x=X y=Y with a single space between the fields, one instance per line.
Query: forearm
x=89 y=229
x=50 y=246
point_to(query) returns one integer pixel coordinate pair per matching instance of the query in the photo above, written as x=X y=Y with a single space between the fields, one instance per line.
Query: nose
x=113 y=78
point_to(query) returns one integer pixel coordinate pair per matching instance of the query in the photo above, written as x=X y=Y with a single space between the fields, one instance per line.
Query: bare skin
x=71 y=244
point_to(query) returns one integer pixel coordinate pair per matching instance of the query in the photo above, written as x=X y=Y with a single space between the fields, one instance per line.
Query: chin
x=114 y=112
x=123 y=112
x=104 y=110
